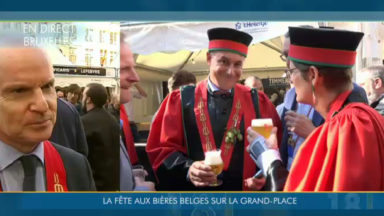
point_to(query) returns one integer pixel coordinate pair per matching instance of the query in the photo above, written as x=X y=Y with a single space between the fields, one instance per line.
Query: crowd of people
x=328 y=132
x=88 y=121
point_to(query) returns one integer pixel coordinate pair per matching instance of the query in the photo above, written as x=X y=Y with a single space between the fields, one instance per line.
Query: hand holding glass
x=213 y=159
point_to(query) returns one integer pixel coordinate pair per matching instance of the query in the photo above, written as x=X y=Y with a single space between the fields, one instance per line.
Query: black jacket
x=102 y=133
x=79 y=175
x=68 y=130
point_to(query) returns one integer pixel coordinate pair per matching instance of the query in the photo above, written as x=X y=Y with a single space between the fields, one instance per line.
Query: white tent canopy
x=175 y=36
x=164 y=48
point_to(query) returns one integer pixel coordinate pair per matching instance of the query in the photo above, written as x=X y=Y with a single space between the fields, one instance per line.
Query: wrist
x=257 y=147
x=262 y=155
x=265 y=160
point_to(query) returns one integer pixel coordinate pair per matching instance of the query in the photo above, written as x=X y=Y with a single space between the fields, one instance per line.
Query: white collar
x=214 y=87
x=9 y=154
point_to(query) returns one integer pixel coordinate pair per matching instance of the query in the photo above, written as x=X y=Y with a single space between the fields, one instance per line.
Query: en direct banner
x=226 y=203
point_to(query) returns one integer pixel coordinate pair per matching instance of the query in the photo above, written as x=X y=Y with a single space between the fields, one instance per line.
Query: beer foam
x=213 y=158
x=262 y=122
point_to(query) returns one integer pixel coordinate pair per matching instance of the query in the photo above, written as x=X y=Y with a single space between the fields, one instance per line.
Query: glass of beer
x=263 y=127
x=213 y=159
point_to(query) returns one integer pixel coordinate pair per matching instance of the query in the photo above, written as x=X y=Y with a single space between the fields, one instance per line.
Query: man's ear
x=209 y=58
x=378 y=83
x=314 y=76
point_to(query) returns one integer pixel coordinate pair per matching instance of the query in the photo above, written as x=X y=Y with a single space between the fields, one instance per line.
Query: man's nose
x=133 y=76
x=39 y=102
x=231 y=69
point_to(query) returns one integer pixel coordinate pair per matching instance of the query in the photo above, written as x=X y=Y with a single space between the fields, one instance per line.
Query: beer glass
x=139 y=173
x=263 y=127
x=213 y=159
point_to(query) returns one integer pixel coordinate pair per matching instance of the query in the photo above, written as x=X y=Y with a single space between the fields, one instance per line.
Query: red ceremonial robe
x=346 y=153
x=167 y=132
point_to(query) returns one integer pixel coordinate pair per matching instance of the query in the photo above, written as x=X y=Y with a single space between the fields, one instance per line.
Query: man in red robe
x=346 y=153
x=210 y=116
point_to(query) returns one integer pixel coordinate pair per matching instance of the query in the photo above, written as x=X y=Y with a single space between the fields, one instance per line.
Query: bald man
x=28 y=106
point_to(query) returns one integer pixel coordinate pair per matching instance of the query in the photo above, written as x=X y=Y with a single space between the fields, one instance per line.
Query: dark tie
x=29 y=163
x=222 y=93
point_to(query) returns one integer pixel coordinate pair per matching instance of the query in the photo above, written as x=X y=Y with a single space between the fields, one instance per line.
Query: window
x=103 y=57
x=88 y=57
x=72 y=55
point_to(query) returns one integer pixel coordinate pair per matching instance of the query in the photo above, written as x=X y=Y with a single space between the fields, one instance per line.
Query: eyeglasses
x=289 y=72
x=283 y=57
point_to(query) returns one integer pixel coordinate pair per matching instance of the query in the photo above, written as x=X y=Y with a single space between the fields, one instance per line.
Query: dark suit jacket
x=103 y=138
x=79 y=174
x=68 y=130
x=127 y=181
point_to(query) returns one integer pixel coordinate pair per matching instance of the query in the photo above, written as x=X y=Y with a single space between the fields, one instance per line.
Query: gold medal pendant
x=291 y=142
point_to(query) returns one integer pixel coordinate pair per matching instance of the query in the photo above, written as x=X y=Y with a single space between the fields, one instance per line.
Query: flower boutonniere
x=233 y=135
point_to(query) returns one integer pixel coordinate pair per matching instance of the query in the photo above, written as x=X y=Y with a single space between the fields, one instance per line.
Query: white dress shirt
x=11 y=169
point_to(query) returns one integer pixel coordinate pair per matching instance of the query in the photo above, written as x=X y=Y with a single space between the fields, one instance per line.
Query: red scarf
x=129 y=142
x=56 y=175
x=242 y=107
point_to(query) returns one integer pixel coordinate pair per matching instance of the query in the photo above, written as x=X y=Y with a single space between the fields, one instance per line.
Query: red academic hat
x=227 y=39
x=323 y=46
